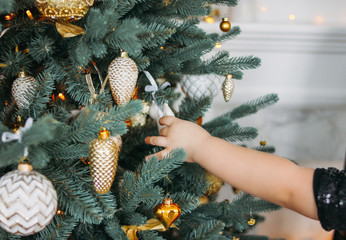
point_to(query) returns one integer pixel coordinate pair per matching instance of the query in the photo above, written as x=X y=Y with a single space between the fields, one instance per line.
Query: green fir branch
x=113 y=229
x=209 y=230
x=59 y=229
x=192 y=109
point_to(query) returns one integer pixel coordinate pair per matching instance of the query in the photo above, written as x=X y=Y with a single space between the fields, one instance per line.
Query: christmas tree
x=73 y=82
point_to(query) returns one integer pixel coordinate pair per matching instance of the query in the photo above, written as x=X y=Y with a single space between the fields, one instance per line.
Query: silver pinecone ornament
x=228 y=88
x=197 y=86
x=28 y=201
x=123 y=74
x=21 y=89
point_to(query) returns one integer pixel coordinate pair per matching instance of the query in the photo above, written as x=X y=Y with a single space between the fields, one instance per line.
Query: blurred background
x=302 y=44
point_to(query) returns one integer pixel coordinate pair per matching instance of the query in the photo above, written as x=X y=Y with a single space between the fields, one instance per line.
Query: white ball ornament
x=197 y=86
x=21 y=89
x=28 y=201
x=123 y=74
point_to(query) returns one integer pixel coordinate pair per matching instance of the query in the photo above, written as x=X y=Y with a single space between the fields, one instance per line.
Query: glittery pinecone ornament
x=28 y=201
x=197 y=86
x=123 y=74
x=21 y=89
x=228 y=88
x=103 y=154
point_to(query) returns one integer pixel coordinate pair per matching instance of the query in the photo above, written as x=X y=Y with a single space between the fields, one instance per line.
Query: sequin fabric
x=330 y=197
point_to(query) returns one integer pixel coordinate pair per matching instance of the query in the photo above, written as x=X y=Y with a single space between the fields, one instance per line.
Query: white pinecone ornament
x=228 y=88
x=21 y=89
x=28 y=201
x=197 y=86
x=123 y=74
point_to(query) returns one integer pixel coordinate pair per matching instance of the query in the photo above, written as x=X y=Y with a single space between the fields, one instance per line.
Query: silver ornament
x=228 y=88
x=123 y=74
x=197 y=86
x=22 y=90
x=28 y=201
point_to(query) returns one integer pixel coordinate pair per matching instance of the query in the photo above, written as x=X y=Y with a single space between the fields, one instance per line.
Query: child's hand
x=179 y=134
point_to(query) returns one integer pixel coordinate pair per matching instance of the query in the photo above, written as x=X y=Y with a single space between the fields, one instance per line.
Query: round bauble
x=197 y=86
x=215 y=183
x=63 y=10
x=225 y=25
x=28 y=201
x=22 y=89
x=123 y=74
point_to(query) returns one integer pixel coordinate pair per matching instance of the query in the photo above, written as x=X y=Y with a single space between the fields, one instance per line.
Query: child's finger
x=157 y=141
x=159 y=155
x=166 y=120
x=164 y=131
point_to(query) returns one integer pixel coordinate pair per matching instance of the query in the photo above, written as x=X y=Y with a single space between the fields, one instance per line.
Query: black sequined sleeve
x=330 y=196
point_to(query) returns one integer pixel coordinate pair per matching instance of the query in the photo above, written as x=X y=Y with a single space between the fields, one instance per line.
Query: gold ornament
x=103 y=154
x=251 y=221
x=215 y=183
x=225 y=25
x=228 y=88
x=199 y=121
x=22 y=89
x=203 y=200
x=152 y=224
x=167 y=212
x=123 y=74
x=263 y=143
x=63 y=10
x=140 y=119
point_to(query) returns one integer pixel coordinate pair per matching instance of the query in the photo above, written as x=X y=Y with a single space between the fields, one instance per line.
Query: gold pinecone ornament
x=123 y=74
x=103 y=154
x=21 y=90
x=228 y=88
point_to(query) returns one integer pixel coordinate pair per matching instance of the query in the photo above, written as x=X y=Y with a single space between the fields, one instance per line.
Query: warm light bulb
x=162 y=47
x=61 y=96
x=264 y=9
x=29 y=14
x=319 y=20
x=218 y=45
x=292 y=17
x=7 y=17
x=209 y=19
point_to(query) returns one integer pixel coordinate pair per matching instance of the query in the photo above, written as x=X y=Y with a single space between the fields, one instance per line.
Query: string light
x=292 y=17
x=61 y=96
x=264 y=9
x=209 y=19
x=218 y=45
x=29 y=14
x=319 y=20
x=8 y=17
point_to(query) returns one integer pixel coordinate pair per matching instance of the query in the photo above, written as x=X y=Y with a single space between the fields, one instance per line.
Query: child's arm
x=264 y=175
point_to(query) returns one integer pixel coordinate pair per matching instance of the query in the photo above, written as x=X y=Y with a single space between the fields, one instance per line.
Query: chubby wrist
x=200 y=150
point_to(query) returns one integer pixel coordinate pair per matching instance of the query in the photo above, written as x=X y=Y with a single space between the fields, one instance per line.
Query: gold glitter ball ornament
x=215 y=184
x=28 y=201
x=103 y=154
x=251 y=221
x=123 y=74
x=167 y=212
x=63 y=10
x=22 y=89
x=203 y=200
x=225 y=25
x=228 y=88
